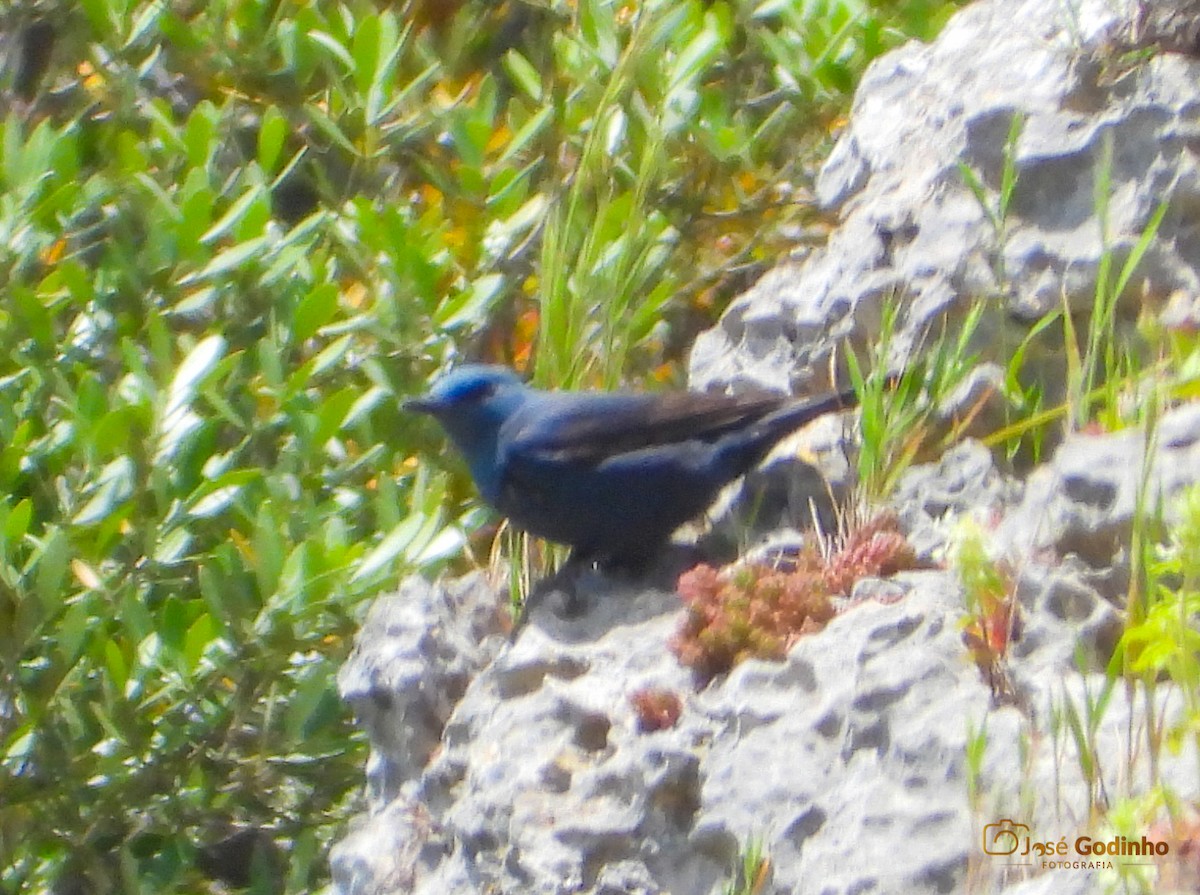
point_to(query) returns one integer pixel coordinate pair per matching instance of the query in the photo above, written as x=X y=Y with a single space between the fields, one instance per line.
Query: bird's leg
x=660 y=569
x=564 y=581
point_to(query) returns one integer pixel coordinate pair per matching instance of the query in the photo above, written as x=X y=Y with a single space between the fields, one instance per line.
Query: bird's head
x=471 y=403
x=468 y=390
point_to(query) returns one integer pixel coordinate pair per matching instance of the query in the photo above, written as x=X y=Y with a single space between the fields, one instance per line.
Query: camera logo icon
x=1003 y=837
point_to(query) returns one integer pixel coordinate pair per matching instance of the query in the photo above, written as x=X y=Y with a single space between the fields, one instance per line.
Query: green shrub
x=232 y=234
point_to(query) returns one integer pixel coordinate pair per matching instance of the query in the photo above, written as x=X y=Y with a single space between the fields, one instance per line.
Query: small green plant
x=1024 y=399
x=992 y=620
x=898 y=410
x=976 y=752
x=1159 y=816
x=1098 y=364
x=1146 y=536
x=603 y=276
x=996 y=210
x=1025 y=435
x=977 y=741
x=1082 y=721
x=1162 y=641
x=756 y=611
x=752 y=871
x=1101 y=356
x=1104 y=367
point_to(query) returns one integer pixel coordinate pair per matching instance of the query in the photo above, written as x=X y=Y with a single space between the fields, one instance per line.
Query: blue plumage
x=612 y=475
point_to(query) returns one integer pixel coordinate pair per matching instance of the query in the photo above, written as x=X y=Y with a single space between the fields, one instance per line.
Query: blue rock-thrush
x=612 y=475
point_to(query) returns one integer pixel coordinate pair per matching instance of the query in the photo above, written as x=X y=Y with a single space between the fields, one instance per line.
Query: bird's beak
x=424 y=404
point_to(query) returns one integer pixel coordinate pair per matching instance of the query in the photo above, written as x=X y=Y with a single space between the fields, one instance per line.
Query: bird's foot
x=660 y=569
x=563 y=582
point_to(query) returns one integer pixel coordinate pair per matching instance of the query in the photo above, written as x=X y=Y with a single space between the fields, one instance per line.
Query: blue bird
x=612 y=475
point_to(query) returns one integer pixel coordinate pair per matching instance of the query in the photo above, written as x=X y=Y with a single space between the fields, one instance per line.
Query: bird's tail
x=752 y=444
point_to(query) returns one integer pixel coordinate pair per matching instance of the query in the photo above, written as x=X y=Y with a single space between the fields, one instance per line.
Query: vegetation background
x=232 y=235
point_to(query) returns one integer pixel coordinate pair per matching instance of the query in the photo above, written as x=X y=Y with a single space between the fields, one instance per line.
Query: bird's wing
x=590 y=428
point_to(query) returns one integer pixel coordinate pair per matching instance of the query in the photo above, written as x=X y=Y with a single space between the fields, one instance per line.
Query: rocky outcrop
x=874 y=756
x=913 y=231
x=869 y=759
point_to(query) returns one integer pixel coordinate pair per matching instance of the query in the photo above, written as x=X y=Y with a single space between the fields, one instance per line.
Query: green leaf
x=329 y=128
x=195 y=217
x=696 y=56
x=314 y=311
x=394 y=543
x=294 y=577
x=473 y=305
x=52 y=568
x=331 y=43
x=362 y=407
x=503 y=234
x=523 y=75
x=178 y=418
x=330 y=355
x=114 y=486
x=303 y=707
x=227 y=260
x=117 y=430
x=194 y=369
x=100 y=15
x=530 y=130
x=173 y=622
x=33 y=314
x=200 y=134
x=147 y=20
x=116 y=665
x=333 y=412
x=215 y=502
x=203 y=631
x=271 y=135
x=365 y=52
x=172 y=549
x=268 y=544
x=16 y=526
x=236 y=212
x=598 y=27
x=77 y=622
x=221 y=602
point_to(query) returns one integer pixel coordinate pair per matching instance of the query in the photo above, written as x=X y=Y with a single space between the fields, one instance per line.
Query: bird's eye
x=480 y=391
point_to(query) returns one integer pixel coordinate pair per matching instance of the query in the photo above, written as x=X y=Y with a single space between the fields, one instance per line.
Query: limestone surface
x=876 y=756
